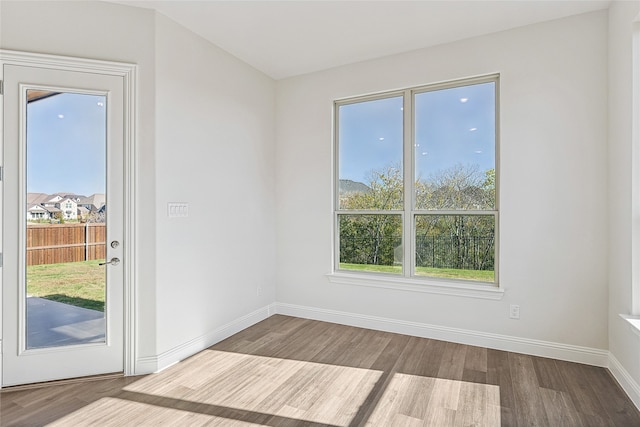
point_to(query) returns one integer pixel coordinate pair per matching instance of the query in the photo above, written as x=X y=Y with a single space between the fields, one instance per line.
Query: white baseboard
x=147 y=365
x=626 y=381
x=570 y=353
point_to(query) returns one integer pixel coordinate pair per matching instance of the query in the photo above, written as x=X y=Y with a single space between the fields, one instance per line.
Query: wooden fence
x=56 y=243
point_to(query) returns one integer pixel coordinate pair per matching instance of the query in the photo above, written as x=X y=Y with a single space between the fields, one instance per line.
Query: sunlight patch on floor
x=411 y=400
x=234 y=389
x=216 y=384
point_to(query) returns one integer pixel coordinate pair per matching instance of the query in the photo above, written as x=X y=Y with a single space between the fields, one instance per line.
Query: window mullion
x=408 y=258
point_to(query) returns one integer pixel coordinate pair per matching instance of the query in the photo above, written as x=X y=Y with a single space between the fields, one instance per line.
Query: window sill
x=634 y=323
x=442 y=287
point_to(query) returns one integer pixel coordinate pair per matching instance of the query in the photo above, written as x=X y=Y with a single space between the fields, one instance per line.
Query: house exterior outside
x=49 y=207
x=92 y=203
x=69 y=208
x=39 y=213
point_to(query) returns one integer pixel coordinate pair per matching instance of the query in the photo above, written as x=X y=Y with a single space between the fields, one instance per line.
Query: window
x=416 y=174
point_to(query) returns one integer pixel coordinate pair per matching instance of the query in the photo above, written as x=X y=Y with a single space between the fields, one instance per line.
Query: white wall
x=205 y=136
x=110 y=32
x=553 y=173
x=624 y=191
x=215 y=144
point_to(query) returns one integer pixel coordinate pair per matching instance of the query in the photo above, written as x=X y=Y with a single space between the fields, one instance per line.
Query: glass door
x=62 y=213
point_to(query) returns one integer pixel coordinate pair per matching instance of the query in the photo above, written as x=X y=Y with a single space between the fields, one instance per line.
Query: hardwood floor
x=287 y=371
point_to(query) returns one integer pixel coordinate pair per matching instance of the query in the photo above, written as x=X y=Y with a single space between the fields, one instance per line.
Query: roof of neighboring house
x=35 y=207
x=72 y=196
x=37 y=198
x=51 y=198
x=97 y=200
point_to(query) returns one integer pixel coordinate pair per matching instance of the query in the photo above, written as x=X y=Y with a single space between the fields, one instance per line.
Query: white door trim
x=128 y=72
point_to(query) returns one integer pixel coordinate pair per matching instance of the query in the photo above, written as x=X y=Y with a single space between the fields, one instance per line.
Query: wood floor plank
x=440 y=416
x=499 y=374
x=305 y=343
x=548 y=374
x=452 y=362
x=363 y=350
x=416 y=396
x=560 y=408
x=386 y=406
x=617 y=407
x=475 y=365
x=472 y=376
x=409 y=360
x=431 y=358
x=530 y=410
x=445 y=394
x=287 y=390
x=386 y=363
x=595 y=420
x=476 y=359
x=287 y=371
x=471 y=405
x=388 y=358
x=583 y=395
x=405 y=421
x=337 y=344
x=405 y=395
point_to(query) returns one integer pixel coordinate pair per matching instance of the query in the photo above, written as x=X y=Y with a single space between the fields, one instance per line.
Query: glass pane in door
x=65 y=218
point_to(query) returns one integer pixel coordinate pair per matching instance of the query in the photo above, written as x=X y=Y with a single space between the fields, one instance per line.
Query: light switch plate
x=177 y=210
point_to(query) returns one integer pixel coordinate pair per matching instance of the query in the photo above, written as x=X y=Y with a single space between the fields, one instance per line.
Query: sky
x=452 y=126
x=66 y=144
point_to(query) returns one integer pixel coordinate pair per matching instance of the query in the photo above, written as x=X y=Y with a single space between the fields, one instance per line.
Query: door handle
x=114 y=261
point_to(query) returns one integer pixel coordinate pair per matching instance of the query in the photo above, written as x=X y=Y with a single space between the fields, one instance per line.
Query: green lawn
x=448 y=273
x=77 y=283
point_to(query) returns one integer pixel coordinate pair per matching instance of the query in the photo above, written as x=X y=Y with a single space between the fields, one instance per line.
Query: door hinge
x=1 y=173
x=1 y=259
x=1 y=87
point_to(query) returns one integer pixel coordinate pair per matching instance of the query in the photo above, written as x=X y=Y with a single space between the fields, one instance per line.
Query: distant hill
x=347 y=186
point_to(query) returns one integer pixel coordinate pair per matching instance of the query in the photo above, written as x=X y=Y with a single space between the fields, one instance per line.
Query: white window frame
x=408 y=280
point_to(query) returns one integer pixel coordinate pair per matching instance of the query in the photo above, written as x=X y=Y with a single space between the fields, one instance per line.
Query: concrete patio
x=54 y=324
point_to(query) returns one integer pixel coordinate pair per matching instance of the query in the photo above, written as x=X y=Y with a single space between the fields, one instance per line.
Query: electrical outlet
x=259 y=291
x=514 y=311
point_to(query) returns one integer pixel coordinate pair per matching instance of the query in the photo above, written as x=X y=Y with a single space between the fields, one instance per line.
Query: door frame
x=128 y=72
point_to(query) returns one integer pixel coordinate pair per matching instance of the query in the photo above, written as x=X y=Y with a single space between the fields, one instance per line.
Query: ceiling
x=288 y=38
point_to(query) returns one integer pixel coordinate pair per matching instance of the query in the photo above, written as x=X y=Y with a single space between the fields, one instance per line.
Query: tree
x=460 y=241
x=451 y=240
x=58 y=217
x=372 y=238
x=96 y=217
x=458 y=187
x=385 y=191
